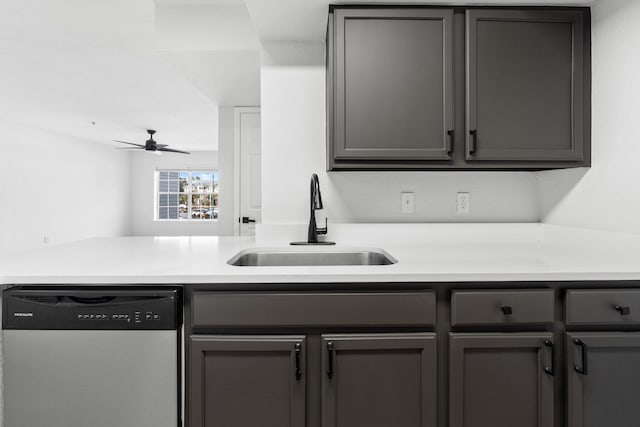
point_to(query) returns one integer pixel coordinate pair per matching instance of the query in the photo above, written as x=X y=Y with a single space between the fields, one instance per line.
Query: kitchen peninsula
x=425 y=253
x=537 y=308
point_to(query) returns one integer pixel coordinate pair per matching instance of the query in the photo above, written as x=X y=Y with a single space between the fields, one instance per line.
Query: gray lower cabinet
x=379 y=380
x=502 y=308
x=525 y=79
x=610 y=308
x=603 y=379
x=242 y=381
x=363 y=358
x=501 y=380
x=373 y=380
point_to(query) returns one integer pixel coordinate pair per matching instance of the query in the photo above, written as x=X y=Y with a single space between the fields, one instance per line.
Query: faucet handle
x=324 y=229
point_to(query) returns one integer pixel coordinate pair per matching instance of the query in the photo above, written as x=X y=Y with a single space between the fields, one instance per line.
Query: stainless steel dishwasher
x=91 y=357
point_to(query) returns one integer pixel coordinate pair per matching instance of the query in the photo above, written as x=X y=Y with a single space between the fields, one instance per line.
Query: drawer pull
x=330 y=353
x=298 y=350
x=624 y=311
x=506 y=309
x=581 y=369
x=551 y=369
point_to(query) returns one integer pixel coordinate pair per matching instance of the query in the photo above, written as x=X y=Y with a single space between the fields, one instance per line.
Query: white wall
x=605 y=196
x=143 y=168
x=294 y=147
x=63 y=188
x=60 y=187
x=226 y=196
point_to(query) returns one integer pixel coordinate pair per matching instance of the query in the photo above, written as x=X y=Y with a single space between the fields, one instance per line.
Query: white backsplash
x=294 y=147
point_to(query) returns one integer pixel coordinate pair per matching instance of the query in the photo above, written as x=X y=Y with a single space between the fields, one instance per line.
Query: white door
x=247 y=125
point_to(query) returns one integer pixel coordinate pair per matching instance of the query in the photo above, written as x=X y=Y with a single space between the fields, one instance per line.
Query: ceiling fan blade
x=161 y=145
x=171 y=150
x=130 y=143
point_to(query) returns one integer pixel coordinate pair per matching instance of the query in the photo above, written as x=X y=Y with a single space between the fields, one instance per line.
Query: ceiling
x=127 y=65
x=101 y=70
x=306 y=20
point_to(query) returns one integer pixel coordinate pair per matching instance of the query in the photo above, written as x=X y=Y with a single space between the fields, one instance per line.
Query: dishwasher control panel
x=136 y=317
x=91 y=308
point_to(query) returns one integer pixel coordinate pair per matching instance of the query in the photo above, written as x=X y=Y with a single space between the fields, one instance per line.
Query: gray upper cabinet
x=393 y=84
x=459 y=88
x=379 y=380
x=501 y=380
x=603 y=379
x=240 y=381
x=524 y=85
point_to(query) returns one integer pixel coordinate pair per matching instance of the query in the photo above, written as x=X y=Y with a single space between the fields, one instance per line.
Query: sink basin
x=336 y=256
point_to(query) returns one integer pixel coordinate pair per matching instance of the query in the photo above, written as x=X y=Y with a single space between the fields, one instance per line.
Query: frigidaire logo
x=17 y=314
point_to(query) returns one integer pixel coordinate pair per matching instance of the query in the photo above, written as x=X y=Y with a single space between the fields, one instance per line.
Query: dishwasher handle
x=92 y=300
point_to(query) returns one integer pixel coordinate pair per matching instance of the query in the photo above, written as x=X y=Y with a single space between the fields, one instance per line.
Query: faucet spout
x=316 y=196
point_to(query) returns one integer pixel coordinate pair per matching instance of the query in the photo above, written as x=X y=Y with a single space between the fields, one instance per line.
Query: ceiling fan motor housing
x=150 y=144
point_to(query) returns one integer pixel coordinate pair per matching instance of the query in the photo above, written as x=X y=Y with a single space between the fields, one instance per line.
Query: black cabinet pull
x=624 y=311
x=506 y=309
x=581 y=369
x=451 y=141
x=247 y=220
x=551 y=369
x=330 y=352
x=473 y=143
x=298 y=350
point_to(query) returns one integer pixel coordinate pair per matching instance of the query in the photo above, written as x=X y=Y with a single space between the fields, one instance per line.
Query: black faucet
x=315 y=204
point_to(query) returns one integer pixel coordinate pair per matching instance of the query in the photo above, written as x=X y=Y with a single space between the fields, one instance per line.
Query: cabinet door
x=393 y=84
x=524 y=85
x=603 y=379
x=501 y=380
x=379 y=380
x=240 y=381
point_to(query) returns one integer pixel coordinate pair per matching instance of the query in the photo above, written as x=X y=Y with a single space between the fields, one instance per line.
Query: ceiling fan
x=150 y=145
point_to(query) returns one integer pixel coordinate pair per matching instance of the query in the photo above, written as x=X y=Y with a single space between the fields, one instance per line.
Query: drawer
x=502 y=307
x=603 y=307
x=309 y=309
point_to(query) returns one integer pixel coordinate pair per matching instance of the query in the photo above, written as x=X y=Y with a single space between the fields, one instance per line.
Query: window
x=187 y=195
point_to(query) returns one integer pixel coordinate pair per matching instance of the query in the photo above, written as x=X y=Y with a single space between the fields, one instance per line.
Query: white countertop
x=425 y=253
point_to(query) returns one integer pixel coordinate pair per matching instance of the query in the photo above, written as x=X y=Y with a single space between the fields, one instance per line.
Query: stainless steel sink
x=335 y=256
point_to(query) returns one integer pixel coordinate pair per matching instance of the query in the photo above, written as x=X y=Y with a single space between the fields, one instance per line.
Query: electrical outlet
x=463 y=203
x=45 y=240
x=407 y=203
